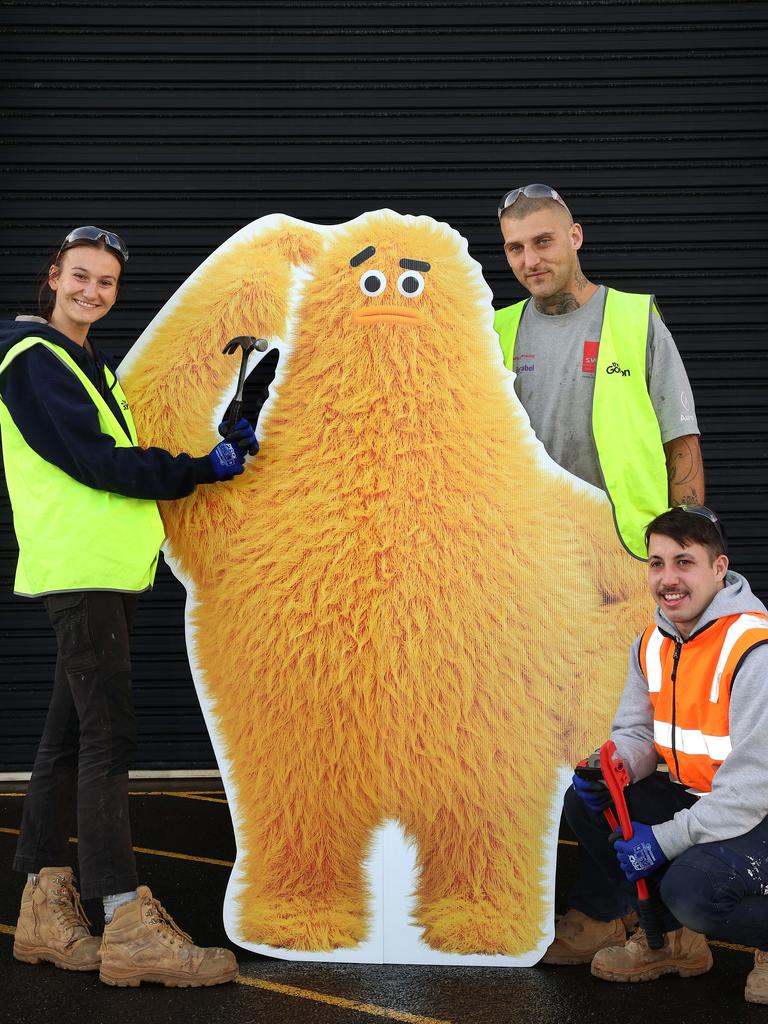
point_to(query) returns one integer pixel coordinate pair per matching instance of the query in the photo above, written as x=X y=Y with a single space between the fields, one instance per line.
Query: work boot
x=756 y=990
x=578 y=938
x=52 y=925
x=684 y=952
x=142 y=942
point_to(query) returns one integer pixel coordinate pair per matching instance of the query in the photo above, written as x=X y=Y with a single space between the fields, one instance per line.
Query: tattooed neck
x=564 y=302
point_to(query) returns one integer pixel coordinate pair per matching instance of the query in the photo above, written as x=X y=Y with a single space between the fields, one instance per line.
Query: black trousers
x=80 y=774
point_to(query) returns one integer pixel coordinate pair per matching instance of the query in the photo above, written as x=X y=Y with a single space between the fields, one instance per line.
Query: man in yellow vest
x=695 y=703
x=596 y=370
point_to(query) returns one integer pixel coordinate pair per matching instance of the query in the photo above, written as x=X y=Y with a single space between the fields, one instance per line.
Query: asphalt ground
x=185 y=846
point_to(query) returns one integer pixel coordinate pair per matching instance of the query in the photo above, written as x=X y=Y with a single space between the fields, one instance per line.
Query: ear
x=577 y=236
x=53 y=277
x=721 y=566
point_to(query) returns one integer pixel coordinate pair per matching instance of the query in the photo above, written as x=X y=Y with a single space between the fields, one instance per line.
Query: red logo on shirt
x=589 y=359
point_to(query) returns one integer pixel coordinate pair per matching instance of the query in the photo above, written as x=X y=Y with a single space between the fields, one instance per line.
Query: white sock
x=111 y=903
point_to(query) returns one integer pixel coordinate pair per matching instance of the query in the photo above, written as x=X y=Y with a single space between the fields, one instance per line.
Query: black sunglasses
x=93 y=234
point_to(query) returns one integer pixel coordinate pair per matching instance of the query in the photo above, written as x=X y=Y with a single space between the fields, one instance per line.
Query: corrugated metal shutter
x=178 y=122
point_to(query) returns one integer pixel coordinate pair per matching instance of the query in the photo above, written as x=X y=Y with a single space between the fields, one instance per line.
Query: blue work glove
x=594 y=794
x=242 y=434
x=227 y=459
x=641 y=855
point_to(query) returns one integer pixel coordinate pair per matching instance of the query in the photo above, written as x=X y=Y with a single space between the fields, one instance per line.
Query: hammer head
x=247 y=344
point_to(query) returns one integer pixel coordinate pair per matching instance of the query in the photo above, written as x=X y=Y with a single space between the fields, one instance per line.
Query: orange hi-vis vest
x=689 y=684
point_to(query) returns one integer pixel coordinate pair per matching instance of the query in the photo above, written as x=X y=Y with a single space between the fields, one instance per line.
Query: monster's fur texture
x=403 y=610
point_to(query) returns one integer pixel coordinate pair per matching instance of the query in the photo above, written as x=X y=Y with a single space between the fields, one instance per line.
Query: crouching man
x=696 y=700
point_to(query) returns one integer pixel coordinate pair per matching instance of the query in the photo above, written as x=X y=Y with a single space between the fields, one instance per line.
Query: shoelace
x=159 y=916
x=68 y=908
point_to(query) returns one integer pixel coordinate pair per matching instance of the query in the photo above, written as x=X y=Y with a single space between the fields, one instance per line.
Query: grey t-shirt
x=555 y=360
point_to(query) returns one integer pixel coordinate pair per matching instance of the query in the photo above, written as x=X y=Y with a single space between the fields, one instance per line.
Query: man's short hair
x=524 y=205
x=690 y=524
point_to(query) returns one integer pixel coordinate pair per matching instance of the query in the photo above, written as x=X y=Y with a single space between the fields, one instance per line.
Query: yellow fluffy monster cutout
x=404 y=620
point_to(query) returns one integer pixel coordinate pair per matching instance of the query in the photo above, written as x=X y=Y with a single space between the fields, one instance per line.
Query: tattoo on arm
x=689 y=499
x=685 y=471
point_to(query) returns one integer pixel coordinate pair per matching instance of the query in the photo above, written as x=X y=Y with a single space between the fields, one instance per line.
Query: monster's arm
x=179 y=382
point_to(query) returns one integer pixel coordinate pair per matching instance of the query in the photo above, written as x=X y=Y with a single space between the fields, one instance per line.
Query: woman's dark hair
x=46 y=298
x=690 y=524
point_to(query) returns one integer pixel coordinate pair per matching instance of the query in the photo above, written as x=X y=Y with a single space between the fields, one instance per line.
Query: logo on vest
x=615 y=368
x=124 y=405
x=589 y=357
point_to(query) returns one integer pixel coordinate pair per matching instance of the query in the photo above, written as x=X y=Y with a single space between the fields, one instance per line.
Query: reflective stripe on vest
x=625 y=428
x=698 y=702
x=74 y=537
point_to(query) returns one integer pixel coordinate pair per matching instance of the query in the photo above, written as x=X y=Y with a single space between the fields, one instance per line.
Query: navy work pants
x=719 y=889
x=80 y=774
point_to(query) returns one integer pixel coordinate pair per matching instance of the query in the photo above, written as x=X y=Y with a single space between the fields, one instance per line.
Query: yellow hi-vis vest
x=74 y=537
x=625 y=429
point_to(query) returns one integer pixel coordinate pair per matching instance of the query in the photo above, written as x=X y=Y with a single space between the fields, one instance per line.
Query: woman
x=85 y=514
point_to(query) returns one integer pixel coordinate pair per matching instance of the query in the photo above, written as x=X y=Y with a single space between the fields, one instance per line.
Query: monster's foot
x=301 y=922
x=456 y=924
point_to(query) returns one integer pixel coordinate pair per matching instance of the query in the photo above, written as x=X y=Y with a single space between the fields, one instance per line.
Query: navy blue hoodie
x=59 y=421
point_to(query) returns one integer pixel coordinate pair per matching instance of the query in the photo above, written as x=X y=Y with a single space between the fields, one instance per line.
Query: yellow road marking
x=184 y=796
x=158 y=793
x=348 y=1004
x=154 y=853
x=184 y=856
x=318 y=997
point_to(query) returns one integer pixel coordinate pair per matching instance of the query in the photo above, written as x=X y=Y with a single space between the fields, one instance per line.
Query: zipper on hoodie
x=675 y=661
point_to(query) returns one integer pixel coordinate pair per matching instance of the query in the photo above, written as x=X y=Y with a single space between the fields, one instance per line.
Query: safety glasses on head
x=90 y=233
x=535 y=191
x=707 y=513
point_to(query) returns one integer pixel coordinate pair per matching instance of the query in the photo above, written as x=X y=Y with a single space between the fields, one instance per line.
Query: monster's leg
x=480 y=827
x=304 y=830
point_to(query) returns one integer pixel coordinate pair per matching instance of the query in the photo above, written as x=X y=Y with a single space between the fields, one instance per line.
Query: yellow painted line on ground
x=318 y=997
x=155 y=853
x=161 y=792
x=184 y=796
x=348 y=1004
x=184 y=856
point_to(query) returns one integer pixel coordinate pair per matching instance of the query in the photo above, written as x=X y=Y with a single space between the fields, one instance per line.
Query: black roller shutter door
x=178 y=122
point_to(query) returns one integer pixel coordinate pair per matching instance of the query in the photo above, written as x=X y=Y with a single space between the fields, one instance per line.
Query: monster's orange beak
x=387 y=315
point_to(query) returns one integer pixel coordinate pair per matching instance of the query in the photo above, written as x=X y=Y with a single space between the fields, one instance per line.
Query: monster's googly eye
x=373 y=282
x=410 y=284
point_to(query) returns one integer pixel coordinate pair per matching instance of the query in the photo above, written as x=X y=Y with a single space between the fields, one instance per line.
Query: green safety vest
x=625 y=429
x=74 y=537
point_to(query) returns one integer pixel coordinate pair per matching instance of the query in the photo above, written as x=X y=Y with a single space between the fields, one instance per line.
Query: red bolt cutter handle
x=616 y=778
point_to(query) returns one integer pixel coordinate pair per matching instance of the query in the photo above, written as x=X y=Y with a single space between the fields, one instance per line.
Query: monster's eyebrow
x=362 y=256
x=414 y=265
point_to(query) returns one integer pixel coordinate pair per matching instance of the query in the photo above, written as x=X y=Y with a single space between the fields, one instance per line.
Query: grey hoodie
x=739 y=798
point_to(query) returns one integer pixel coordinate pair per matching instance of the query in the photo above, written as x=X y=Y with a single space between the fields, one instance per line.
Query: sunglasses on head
x=706 y=513
x=93 y=234
x=535 y=191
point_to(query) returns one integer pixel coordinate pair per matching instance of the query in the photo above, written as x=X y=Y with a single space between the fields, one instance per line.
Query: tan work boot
x=578 y=938
x=142 y=942
x=684 y=952
x=756 y=990
x=52 y=925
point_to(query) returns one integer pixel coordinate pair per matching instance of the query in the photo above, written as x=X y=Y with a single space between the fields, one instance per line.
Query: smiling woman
x=84 y=496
